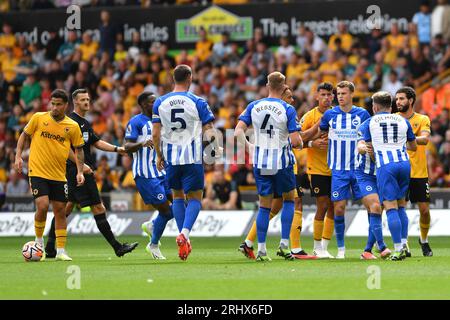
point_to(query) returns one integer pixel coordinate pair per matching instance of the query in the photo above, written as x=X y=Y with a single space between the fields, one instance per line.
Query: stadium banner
x=179 y=26
x=208 y=223
x=440 y=223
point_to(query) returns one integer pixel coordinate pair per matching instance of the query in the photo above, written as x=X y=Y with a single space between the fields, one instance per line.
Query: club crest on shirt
x=85 y=136
x=356 y=122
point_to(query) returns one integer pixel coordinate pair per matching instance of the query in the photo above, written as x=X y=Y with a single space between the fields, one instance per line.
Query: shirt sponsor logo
x=52 y=136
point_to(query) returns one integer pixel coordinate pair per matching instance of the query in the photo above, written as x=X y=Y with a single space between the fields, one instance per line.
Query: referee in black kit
x=87 y=194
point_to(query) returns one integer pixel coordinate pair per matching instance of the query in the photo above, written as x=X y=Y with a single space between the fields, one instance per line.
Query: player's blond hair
x=346 y=84
x=382 y=99
x=276 y=81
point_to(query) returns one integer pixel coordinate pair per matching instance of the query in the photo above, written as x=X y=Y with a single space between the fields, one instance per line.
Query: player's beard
x=403 y=108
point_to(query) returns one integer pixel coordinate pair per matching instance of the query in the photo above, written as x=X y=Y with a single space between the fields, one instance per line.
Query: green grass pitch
x=216 y=270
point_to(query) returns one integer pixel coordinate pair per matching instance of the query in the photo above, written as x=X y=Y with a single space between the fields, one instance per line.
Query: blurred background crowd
x=228 y=74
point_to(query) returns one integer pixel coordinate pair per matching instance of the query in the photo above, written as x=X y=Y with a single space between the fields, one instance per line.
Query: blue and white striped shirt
x=273 y=120
x=182 y=116
x=342 y=130
x=388 y=134
x=139 y=129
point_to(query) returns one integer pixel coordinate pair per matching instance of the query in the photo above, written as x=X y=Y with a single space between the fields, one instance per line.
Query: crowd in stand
x=228 y=74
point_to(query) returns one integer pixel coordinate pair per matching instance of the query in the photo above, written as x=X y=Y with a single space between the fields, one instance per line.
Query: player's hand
x=160 y=163
x=80 y=179
x=18 y=164
x=369 y=150
x=148 y=143
x=321 y=144
x=87 y=169
x=121 y=150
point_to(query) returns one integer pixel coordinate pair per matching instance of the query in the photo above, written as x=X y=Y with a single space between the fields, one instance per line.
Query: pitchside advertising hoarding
x=179 y=26
x=211 y=223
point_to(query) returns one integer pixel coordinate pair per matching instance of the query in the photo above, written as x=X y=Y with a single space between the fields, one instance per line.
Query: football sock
x=192 y=211
x=262 y=223
x=284 y=243
x=328 y=228
x=296 y=230
x=395 y=227
x=51 y=238
x=179 y=210
x=104 y=227
x=186 y=232
x=370 y=240
x=61 y=238
x=325 y=243
x=159 y=224
x=376 y=230
x=262 y=247
x=318 y=230
x=287 y=215
x=404 y=220
x=251 y=236
x=39 y=227
x=339 y=225
x=424 y=223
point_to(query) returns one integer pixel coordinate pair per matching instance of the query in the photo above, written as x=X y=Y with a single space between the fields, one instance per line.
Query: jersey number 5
x=175 y=119
x=384 y=127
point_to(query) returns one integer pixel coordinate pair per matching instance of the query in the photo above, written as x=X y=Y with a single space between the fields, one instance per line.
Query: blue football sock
x=179 y=209
x=192 y=211
x=371 y=238
x=159 y=224
x=287 y=214
x=395 y=225
x=405 y=221
x=339 y=227
x=377 y=230
x=262 y=224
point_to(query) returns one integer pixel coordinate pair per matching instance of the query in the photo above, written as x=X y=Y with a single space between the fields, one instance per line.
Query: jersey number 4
x=384 y=127
x=269 y=130
x=175 y=119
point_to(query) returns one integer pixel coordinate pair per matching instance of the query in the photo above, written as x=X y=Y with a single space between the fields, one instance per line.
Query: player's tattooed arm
x=411 y=145
x=86 y=168
x=79 y=160
x=24 y=140
x=423 y=138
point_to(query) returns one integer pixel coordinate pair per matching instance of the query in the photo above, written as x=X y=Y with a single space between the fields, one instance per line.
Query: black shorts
x=419 y=190
x=320 y=185
x=85 y=195
x=55 y=190
x=298 y=188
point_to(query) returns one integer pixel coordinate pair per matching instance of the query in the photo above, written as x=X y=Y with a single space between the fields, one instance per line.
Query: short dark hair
x=60 y=94
x=325 y=86
x=77 y=92
x=143 y=97
x=383 y=98
x=181 y=73
x=409 y=92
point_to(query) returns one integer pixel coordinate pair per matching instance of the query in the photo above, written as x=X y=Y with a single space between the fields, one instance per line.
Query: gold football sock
x=328 y=228
x=318 y=229
x=424 y=227
x=296 y=229
x=61 y=237
x=39 y=227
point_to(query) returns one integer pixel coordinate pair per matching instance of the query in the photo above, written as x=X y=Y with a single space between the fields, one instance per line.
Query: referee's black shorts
x=85 y=195
x=419 y=190
x=55 y=190
x=320 y=185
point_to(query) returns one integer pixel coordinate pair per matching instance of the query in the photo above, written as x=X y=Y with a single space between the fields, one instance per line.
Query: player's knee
x=298 y=204
x=42 y=206
x=375 y=207
x=339 y=209
x=98 y=208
